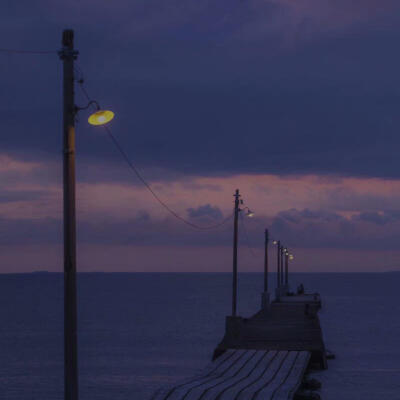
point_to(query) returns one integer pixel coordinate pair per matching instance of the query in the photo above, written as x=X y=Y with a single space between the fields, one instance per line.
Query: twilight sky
x=294 y=102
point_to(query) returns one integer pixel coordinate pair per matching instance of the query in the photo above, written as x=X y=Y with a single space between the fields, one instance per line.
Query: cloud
x=255 y=86
x=331 y=215
x=378 y=218
x=206 y=210
x=290 y=101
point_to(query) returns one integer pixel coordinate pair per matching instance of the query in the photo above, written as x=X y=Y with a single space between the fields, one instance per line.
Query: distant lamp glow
x=275 y=242
x=249 y=213
x=291 y=257
x=101 y=117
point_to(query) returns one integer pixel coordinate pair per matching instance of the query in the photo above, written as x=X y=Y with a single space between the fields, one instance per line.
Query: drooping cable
x=155 y=195
x=246 y=236
x=146 y=184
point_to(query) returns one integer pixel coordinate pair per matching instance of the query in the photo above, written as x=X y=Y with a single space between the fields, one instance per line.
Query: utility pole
x=266 y=262
x=68 y=55
x=235 y=247
x=287 y=270
x=279 y=264
x=282 y=247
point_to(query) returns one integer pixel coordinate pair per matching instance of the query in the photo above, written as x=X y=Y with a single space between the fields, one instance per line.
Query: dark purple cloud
x=256 y=86
x=206 y=210
x=204 y=88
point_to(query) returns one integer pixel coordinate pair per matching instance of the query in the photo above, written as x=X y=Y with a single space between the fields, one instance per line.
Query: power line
x=37 y=52
x=145 y=183
x=155 y=195
x=246 y=235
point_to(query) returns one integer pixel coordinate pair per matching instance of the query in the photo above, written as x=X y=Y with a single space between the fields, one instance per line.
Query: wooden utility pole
x=68 y=55
x=266 y=261
x=235 y=248
x=282 y=248
x=287 y=270
x=278 y=272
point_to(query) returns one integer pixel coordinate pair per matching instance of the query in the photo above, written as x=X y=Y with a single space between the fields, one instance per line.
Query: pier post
x=68 y=55
x=235 y=248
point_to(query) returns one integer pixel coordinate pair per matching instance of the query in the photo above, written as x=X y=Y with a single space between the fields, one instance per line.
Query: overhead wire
x=119 y=147
x=155 y=195
x=246 y=236
x=37 y=52
x=144 y=182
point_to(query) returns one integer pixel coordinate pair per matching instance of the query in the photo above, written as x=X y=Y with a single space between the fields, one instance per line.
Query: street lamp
x=100 y=117
x=265 y=301
x=249 y=214
x=278 y=269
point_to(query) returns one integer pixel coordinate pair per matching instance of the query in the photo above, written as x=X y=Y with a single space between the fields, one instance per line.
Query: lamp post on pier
x=278 y=272
x=287 y=270
x=265 y=300
x=266 y=261
x=68 y=55
x=235 y=247
x=249 y=214
x=281 y=273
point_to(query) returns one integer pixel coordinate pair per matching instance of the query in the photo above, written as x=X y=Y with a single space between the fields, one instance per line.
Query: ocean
x=140 y=331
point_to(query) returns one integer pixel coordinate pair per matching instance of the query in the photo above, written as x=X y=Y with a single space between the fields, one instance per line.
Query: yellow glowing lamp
x=101 y=117
x=249 y=213
x=291 y=257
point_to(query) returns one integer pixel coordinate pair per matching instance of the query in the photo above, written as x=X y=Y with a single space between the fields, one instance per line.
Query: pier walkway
x=266 y=356
x=292 y=326
x=244 y=375
x=263 y=357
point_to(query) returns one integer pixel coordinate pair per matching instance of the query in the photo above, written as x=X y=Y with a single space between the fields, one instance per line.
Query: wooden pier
x=266 y=356
x=284 y=325
x=262 y=357
x=244 y=375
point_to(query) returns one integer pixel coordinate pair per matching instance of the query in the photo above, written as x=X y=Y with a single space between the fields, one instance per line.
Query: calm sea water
x=140 y=331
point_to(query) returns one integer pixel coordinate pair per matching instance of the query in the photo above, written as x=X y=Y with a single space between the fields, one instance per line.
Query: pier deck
x=292 y=326
x=264 y=357
x=244 y=375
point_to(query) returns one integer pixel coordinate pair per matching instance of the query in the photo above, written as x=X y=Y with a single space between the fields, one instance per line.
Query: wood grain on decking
x=244 y=375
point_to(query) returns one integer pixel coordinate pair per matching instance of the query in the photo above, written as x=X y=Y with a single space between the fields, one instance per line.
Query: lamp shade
x=249 y=213
x=101 y=117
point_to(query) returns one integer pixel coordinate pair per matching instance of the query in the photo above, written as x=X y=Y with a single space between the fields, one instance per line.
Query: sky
x=294 y=102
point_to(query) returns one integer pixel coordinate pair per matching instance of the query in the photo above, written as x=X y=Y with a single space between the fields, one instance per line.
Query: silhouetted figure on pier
x=300 y=289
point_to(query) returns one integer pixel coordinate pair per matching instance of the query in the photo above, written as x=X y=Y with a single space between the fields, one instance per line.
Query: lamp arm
x=87 y=106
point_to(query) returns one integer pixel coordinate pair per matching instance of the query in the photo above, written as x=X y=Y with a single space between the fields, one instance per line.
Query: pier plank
x=263 y=357
x=247 y=375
